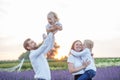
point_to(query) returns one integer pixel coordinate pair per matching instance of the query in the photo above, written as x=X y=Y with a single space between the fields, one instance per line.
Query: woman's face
x=78 y=46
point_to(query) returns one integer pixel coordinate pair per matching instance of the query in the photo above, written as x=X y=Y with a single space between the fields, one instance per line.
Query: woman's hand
x=85 y=63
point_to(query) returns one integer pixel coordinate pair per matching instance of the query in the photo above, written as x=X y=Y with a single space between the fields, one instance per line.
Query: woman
x=75 y=64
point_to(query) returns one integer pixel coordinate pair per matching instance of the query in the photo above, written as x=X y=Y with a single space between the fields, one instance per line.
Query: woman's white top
x=85 y=55
x=76 y=62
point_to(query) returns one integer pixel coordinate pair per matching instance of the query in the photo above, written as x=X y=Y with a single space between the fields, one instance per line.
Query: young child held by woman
x=85 y=54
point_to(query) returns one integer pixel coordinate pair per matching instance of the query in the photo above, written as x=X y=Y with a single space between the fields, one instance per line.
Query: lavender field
x=105 y=73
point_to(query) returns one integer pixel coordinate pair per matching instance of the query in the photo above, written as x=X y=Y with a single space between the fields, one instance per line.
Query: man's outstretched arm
x=45 y=47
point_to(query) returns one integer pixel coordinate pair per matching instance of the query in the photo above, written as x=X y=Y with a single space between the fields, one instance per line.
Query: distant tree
x=24 y=55
x=53 y=51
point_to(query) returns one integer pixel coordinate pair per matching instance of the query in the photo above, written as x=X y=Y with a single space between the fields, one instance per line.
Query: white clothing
x=39 y=61
x=77 y=63
x=48 y=26
x=85 y=55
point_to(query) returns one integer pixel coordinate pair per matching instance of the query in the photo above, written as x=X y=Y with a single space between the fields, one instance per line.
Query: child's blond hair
x=89 y=44
x=54 y=15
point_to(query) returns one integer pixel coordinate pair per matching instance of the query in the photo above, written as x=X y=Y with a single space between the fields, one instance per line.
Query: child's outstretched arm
x=51 y=29
x=58 y=26
x=82 y=53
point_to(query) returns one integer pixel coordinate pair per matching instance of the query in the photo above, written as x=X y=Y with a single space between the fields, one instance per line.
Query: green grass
x=61 y=64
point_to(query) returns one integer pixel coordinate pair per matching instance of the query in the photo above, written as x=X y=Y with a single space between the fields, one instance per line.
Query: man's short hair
x=25 y=44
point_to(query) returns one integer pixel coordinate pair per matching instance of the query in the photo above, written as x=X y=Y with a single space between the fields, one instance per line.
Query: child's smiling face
x=51 y=18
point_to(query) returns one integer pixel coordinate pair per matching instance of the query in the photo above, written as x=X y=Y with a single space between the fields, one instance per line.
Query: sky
x=98 y=20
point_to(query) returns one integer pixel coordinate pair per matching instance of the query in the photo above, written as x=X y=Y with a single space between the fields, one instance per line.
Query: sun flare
x=60 y=55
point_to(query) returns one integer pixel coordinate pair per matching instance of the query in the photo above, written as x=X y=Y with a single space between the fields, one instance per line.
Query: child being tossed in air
x=85 y=54
x=53 y=24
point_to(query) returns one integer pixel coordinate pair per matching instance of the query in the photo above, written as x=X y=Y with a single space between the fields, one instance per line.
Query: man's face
x=32 y=44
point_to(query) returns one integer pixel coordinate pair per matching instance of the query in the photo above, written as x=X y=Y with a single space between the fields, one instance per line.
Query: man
x=37 y=56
